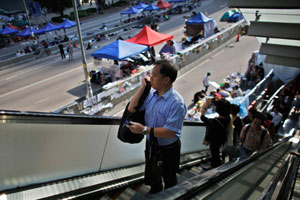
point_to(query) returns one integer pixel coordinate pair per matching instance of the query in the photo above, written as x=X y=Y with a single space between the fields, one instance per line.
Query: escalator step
x=129 y=194
x=143 y=190
x=105 y=197
x=197 y=170
x=181 y=178
x=188 y=174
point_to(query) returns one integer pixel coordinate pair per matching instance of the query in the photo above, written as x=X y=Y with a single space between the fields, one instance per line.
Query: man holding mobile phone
x=164 y=114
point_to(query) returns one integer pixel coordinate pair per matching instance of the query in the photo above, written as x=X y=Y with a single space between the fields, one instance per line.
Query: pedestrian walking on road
x=70 y=51
x=46 y=46
x=61 y=50
x=206 y=82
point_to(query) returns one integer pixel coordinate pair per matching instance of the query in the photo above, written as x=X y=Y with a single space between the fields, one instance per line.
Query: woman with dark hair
x=216 y=133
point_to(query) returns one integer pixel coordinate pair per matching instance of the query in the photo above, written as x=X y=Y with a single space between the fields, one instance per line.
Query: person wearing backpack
x=254 y=136
x=216 y=132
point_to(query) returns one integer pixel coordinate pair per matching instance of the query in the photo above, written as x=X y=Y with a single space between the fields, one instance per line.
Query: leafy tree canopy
x=57 y=6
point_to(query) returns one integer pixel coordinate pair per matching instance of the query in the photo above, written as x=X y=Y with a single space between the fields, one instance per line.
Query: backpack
x=262 y=135
x=124 y=134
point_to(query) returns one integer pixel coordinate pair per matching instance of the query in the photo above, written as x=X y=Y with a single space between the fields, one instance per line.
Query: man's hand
x=135 y=127
x=205 y=142
x=147 y=78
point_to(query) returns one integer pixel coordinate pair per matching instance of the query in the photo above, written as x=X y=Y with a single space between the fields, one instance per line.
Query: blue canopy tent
x=140 y=6
x=200 y=23
x=67 y=24
x=151 y=7
x=27 y=32
x=131 y=10
x=8 y=31
x=47 y=28
x=119 y=50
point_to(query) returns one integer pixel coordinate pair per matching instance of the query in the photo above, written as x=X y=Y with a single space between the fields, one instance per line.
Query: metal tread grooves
x=79 y=185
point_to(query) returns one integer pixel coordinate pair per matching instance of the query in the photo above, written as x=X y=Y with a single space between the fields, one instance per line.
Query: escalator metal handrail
x=202 y=182
x=270 y=101
x=281 y=185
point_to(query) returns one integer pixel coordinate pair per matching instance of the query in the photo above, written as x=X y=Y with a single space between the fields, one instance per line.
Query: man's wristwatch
x=144 y=132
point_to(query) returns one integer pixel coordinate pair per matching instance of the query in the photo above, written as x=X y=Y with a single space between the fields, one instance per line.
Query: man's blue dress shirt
x=166 y=111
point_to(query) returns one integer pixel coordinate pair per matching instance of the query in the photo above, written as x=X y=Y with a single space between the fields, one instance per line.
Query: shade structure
x=131 y=10
x=13 y=27
x=27 y=32
x=151 y=7
x=200 y=23
x=149 y=37
x=163 y=5
x=140 y=6
x=67 y=24
x=119 y=50
x=200 y=18
x=47 y=28
x=8 y=31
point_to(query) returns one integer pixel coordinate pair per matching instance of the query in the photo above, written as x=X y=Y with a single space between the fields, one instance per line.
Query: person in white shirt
x=206 y=82
x=277 y=117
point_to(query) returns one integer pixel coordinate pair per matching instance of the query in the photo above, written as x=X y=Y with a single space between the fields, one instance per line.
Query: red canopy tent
x=13 y=27
x=162 y=5
x=149 y=37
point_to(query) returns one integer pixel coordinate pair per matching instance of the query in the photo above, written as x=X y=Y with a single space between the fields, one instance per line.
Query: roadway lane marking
x=41 y=100
x=16 y=75
x=39 y=82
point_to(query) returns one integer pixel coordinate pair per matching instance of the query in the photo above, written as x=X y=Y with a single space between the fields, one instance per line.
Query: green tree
x=57 y=6
x=101 y=5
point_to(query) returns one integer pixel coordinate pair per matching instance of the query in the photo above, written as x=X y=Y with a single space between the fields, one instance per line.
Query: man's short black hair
x=260 y=116
x=208 y=74
x=167 y=69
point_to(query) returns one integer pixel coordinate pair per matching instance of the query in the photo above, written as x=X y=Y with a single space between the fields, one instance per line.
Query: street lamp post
x=27 y=16
x=84 y=64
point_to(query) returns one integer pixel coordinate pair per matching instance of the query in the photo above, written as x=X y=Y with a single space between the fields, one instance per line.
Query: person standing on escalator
x=164 y=114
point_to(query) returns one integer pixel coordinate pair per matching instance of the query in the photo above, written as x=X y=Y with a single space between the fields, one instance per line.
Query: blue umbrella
x=119 y=50
x=7 y=31
x=151 y=7
x=27 y=32
x=140 y=5
x=131 y=10
x=67 y=24
x=47 y=28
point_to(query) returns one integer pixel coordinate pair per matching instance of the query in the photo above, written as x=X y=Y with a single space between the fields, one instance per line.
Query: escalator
x=115 y=177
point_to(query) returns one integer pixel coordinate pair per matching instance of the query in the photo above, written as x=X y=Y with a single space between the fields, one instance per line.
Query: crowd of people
x=230 y=134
